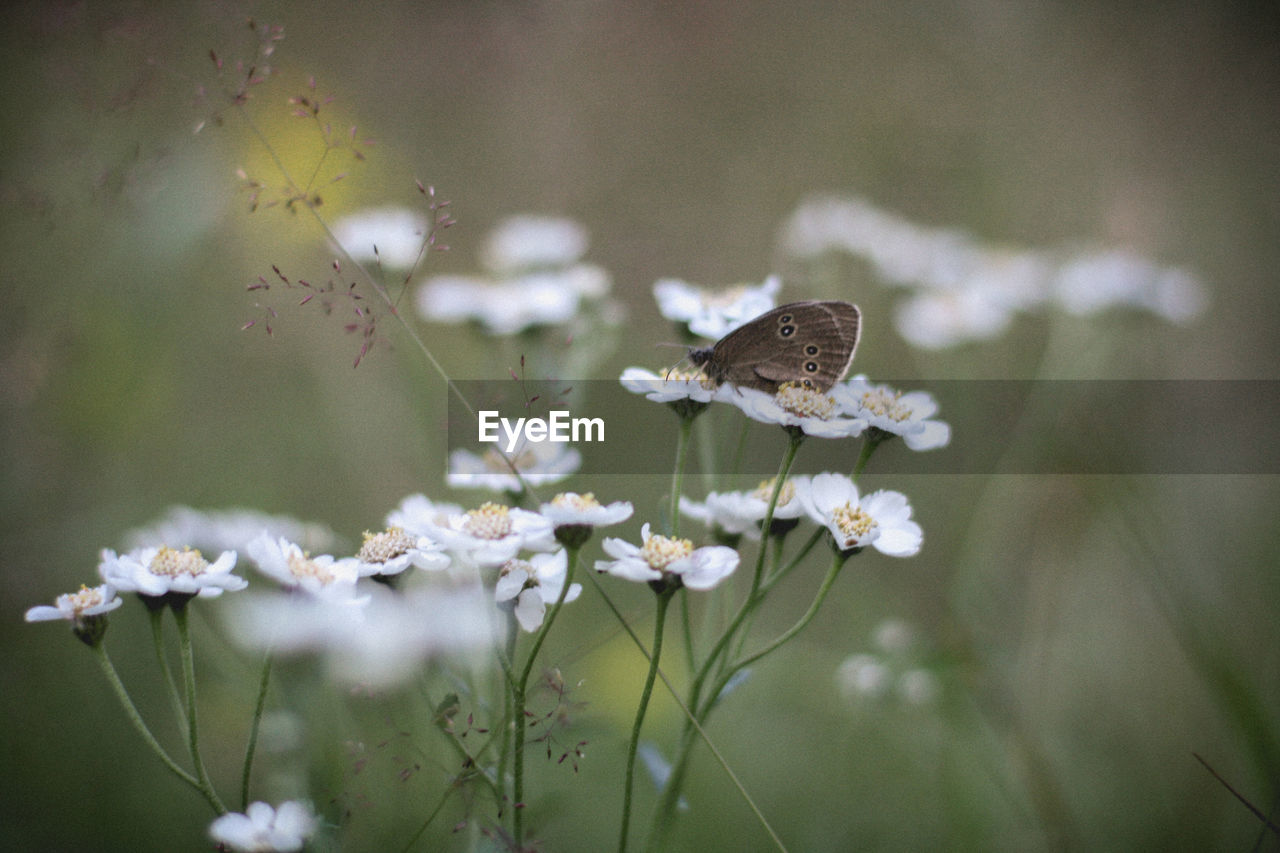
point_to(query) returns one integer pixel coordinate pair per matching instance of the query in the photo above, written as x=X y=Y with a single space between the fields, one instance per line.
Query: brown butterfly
x=811 y=343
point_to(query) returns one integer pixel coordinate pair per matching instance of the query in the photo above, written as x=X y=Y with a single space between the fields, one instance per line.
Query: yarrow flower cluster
x=962 y=290
x=664 y=558
x=539 y=464
x=891 y=669
x=740 y=513
x=534 y=279
x=159 y=571
x=262 y=828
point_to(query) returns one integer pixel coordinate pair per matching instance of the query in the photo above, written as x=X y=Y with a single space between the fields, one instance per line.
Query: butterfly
x=811 y=343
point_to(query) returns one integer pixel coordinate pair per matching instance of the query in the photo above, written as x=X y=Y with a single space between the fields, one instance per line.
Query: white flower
x=493 y=534
x=794 y=406
x=286 y=563
x=938 y=319
x=661 y=556
x=571 y=508
x=77 y=606
x=1089 y=283
x=393 y=550
x=161 y=570
x=418 y=515
x=380 y=639
x=742 y=512
x=508 y=306
x=711 y=314
x=863 y=675
x=881 y=519
x=215 y=531
x=905 y=414
x=399 y=234
x=262 y=829
x=540 y=463
x=519 y=243
x=669 y=386
x=894 y=636
x=534 y=583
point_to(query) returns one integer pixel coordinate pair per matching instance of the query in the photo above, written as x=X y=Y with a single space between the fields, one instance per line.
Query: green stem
x=113 y=678
x=253 y=731
x=521 y=693
x=804 y=620
x=677 y=475
x=870 y=441
x=193 y=728
x=156 y=615
x=664 y=598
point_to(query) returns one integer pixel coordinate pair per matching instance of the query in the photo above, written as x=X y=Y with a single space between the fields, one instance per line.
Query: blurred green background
x=1088 y=633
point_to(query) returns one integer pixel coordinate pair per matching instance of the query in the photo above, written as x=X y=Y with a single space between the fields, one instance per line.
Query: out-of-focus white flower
x=815 y=413
x=380 y=639
x=215 y=531
x=534 y=583
x=536 y=279
x=881 y=519
x=77 y=606
x=664 y=556
x=399 y=234
x=523 y=242
x=160 y=570
x=1091 y=282
x=863 y=675
x=393 y=550
x=904 y=414
x=714 y=314
x=539 y=463
x=964 y=291
x=894 y=636
x=939 y=319
x=262 y=829
x=290 y=566
x=506 y=307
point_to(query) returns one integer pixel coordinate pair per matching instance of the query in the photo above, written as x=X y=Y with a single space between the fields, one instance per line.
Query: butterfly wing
x=812 y=341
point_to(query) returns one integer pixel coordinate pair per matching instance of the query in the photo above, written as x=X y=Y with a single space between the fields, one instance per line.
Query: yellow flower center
x=173 y=563
x=385 y=546
x=661 y=551
x=804 y=402
x=854 y=524
x=490 y=521
x=764 y=491
x=580 y=503
x=685 y=374
x=81 y=601
x=302 y=566
x=886 y=405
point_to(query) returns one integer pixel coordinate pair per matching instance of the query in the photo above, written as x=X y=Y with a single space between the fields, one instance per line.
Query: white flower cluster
x=891 y=669
x=881 y=519
x=963 y=290
x=846 y=411
x=534 y=277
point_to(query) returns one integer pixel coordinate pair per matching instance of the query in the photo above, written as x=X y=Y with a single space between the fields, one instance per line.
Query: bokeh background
x=1086 y=635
